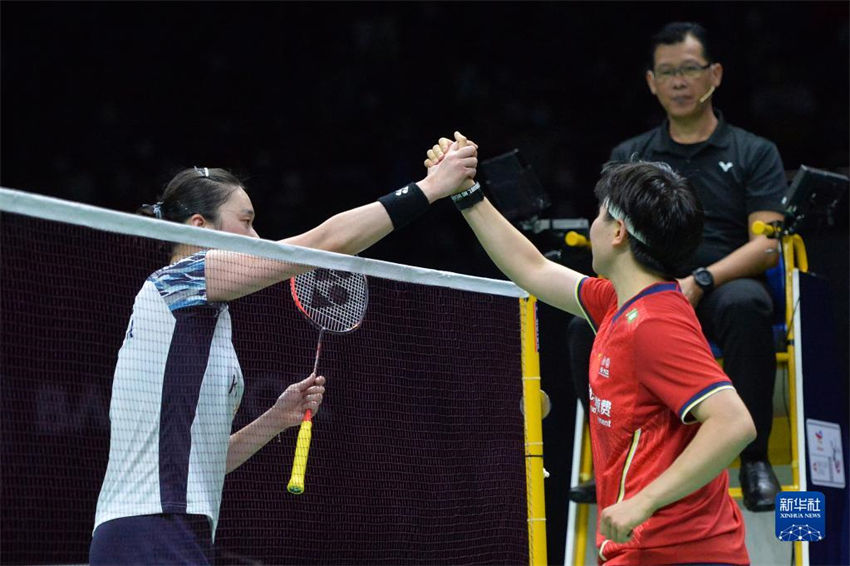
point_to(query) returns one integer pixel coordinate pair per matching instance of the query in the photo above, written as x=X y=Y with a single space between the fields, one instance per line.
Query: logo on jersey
x=725 y=165
x=632 y=315
x=401 y=192
x=600 y=408
x=605 y=367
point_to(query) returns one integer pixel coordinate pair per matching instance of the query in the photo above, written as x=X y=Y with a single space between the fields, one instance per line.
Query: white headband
x=618 y=214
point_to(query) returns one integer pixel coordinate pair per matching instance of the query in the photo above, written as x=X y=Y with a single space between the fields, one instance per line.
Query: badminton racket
x=335 y=302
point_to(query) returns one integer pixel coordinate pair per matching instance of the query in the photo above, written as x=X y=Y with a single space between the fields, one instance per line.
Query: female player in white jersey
x=177 y=382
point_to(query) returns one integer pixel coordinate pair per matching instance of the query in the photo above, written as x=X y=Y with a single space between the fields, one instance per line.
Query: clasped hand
x=441 y=155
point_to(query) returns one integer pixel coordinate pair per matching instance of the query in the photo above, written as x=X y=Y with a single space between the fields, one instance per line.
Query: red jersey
x=650 y=365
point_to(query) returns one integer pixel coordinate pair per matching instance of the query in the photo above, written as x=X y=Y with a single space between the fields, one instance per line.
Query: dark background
x=324 y=106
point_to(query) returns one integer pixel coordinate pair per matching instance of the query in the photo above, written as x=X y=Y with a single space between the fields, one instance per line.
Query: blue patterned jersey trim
x=183 y=284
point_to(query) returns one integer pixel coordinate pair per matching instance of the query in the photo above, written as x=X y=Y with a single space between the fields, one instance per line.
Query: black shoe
x=758 y=485
x=583 y=492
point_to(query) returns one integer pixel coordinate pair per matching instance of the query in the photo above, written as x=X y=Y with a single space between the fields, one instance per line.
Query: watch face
x=703 y=278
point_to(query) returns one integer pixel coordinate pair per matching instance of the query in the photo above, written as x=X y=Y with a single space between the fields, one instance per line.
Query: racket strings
x=333 y=300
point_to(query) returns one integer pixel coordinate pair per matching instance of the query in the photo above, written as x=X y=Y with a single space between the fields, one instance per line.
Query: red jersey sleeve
x=596 y=297
x=675 y=363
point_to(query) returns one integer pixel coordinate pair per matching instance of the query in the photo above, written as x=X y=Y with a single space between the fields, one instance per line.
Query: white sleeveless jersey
x=176 y=388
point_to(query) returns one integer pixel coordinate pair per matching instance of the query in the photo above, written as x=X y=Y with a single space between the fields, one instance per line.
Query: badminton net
x=418 y=449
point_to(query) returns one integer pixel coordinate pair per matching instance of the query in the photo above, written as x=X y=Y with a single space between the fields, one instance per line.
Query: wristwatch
x=704 y=279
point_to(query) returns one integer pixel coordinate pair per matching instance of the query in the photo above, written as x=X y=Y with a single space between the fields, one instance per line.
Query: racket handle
x=302 y=449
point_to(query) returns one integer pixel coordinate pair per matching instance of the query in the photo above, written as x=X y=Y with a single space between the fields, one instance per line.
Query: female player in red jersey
x=665 y=420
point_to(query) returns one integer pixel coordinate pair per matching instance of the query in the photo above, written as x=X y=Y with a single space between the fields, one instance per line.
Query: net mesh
x=418 y=447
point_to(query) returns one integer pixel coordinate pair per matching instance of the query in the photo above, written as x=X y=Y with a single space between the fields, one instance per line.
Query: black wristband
x=469 y=197
x=405 y=205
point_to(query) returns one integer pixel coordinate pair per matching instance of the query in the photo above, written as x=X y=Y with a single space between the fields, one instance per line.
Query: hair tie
x=203 y=171
x=157 y=209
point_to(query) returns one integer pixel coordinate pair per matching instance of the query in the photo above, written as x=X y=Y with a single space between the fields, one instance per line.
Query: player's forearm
x=231 y=275
x=245 y=442
x=718 y=441
x=354 y=230
x=750 y=260
x=348 y=232
x=513 y=253
x=520 y=260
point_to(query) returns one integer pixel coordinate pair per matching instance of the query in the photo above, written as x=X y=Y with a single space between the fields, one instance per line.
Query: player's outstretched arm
x=521 y=261
x=355 y=230
x=509 y=249
x=232 y=275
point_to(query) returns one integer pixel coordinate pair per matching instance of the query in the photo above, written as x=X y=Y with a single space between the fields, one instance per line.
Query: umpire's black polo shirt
x=734 y=173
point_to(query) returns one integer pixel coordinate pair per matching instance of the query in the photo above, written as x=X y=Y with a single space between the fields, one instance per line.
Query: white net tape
x=50 y=208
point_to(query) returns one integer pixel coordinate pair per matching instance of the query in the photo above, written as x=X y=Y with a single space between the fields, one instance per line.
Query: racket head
x=333 y=301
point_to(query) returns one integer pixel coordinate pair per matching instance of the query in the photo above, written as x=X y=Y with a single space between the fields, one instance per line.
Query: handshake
x=451 y=171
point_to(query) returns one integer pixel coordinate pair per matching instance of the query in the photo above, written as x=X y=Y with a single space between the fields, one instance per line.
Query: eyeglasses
x=691 y=71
